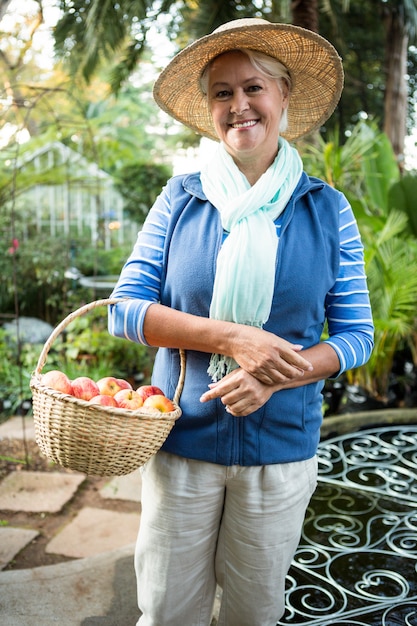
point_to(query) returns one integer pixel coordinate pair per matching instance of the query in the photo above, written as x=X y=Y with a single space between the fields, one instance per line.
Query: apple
x=57 y=380
x=160 y=402
x=150 y=410
x=128 y=399
x=149 y=390
x=84 y=388
x=104 y=400
x=109 y=385
x=124 y=384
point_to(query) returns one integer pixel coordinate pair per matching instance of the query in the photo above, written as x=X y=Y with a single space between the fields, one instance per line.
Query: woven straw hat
x=314 y=65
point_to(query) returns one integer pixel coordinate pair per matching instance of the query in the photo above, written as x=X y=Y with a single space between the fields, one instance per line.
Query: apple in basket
x=128 y=399
x=103 y=400
x=109 y=385
x=160 y=402
x=84 y=388
x=57 y=380
x=149 y=390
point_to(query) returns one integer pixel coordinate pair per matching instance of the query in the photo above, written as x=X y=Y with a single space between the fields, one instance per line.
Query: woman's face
x=246 y=107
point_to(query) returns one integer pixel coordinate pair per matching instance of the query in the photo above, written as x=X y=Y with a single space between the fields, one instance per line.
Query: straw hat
x=314 y=65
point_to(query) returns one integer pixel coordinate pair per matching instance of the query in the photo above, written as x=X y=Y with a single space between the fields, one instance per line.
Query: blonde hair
x=266 y=65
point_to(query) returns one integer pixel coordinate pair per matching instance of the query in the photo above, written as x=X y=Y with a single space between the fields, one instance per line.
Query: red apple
x=104 y=400
x=109 y=385
x=149 y=390
x=128 y=399
x=160 y=402
x=57 y=380
x=84 y=388
x=124 y=384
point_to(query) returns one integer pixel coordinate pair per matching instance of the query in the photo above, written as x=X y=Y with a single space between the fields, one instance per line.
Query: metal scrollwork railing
x=356 y=564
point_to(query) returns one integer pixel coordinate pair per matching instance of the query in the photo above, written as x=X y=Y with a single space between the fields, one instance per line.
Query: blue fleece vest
x=287 y=428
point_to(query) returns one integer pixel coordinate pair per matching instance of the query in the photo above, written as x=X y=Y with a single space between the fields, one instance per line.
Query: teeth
x=244 y=124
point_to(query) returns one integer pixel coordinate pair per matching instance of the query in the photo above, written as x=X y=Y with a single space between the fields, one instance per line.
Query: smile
x=244 y=124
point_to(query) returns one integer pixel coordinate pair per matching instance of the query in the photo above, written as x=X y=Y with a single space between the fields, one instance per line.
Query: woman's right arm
x=143 y=319
x=266 y=356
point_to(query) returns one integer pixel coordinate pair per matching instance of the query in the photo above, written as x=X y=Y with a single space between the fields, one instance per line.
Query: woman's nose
x=239 y=103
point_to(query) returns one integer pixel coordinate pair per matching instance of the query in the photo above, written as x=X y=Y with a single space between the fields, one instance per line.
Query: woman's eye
x=222 y=94
x=254 y=88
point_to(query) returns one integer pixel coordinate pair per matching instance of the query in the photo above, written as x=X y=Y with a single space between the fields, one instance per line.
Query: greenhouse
x=70 y=196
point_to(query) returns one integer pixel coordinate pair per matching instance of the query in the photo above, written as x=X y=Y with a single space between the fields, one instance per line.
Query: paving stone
x=94 y=531
x=18 y=428
x=126 y=487
x=38 y=492
x=12 y=541
x=98 y=591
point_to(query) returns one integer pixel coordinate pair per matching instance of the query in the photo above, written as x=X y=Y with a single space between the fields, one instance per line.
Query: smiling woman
x=219 y=271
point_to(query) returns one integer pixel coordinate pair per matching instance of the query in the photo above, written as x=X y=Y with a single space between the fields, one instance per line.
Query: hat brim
x=313 y=63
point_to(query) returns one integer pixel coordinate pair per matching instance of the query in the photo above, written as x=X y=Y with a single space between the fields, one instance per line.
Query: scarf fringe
x=220 y=365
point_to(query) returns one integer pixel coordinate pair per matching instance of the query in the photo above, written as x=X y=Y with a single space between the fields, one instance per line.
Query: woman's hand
x=267 y=357
x=240 y=392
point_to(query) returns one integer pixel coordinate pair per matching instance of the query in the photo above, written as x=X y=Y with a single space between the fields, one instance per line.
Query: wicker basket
x=90 y=438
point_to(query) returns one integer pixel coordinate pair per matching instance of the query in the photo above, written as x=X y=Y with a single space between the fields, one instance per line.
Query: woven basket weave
x=90 y=438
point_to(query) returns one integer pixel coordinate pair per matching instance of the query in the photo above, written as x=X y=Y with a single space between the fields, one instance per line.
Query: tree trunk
x=395 y=103
x=305 y=14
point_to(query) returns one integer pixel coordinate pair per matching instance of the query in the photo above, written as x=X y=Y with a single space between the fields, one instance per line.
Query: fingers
x=240 y=393
x=239 y=407
x=280 y=372
x=270 y=358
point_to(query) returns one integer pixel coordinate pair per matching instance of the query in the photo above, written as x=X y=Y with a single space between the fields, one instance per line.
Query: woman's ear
x=285 y=89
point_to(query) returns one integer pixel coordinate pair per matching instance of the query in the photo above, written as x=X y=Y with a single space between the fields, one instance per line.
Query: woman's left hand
x=240 y=392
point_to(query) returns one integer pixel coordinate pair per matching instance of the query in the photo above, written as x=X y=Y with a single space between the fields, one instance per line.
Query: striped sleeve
x=348 y=309
x=140 y=278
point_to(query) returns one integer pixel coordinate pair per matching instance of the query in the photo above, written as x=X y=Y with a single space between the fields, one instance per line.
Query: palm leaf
x=393 y=292
x=402 y=196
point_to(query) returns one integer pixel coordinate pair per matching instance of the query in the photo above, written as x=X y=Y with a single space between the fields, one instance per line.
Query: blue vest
x=287 y=427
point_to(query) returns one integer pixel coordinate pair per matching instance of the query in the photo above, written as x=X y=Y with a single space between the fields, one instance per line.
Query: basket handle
x=86 y=309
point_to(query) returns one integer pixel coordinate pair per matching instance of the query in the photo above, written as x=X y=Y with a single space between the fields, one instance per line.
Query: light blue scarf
x=245 y=273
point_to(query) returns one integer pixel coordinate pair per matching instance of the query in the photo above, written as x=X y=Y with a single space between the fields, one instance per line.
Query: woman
x=241 y=265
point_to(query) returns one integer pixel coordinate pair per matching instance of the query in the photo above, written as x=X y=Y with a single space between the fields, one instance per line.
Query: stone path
x=92 y=532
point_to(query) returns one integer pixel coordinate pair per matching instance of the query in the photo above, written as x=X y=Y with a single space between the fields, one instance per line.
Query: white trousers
x=204 y=524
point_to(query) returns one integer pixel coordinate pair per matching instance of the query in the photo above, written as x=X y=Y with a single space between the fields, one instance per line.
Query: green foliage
x=121 y=129
x=98 y=261
x=402 y=197
x=358 y=36
x=88 y=349
x=34 y=275
x=200 y=18
x=341 y=164
x=16 y=366
x=95 y=31
x=390 y=253
x=380 y=168
x=140 y=183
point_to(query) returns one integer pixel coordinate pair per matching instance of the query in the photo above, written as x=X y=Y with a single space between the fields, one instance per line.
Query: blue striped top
x=347 y=306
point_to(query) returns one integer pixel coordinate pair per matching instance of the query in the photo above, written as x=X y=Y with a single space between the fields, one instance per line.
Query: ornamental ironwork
x=356 y=564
